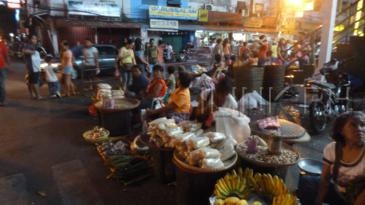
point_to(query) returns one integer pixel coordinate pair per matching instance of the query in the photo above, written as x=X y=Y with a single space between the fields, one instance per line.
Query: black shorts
x=34 y=77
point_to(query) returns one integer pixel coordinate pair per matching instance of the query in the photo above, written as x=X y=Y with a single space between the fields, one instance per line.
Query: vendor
x=156 y=88
x=344 y=161
x=211 y=100
x=178 y=106
x=139 y=83
x=343 y=174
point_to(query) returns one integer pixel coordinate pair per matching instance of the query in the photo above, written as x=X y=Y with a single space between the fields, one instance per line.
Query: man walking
x=4 y=62
x=33 y=62
x=91 y=62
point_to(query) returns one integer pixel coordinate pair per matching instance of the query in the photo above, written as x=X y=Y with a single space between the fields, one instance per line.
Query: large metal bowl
x=310 y=166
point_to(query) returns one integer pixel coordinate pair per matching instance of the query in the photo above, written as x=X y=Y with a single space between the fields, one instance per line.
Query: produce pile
x=262 y=155
x=124 y=166
x=107 y=97
x=165 y=133
x=97 y=134
x=236 y=188
x=204 y=150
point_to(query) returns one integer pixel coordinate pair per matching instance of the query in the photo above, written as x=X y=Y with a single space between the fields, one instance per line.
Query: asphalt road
x=44 y=160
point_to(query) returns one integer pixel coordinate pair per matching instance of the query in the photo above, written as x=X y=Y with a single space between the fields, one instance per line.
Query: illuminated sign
x=203 y=15
x=173 y=13
x=109 y=8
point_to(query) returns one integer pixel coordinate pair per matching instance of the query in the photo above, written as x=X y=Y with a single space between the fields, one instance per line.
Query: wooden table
x=118 y=119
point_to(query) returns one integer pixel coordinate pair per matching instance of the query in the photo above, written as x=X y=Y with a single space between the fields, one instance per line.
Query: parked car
x=107 y=58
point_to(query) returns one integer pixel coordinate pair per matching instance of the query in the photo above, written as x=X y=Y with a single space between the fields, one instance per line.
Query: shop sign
x=109 y=8
x=173 y=13
x=164 y=24
x=203 y=15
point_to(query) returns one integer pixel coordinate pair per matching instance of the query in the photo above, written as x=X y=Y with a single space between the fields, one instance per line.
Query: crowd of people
x=263 y=52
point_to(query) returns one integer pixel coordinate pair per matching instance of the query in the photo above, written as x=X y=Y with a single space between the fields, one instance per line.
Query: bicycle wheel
x=318 y=117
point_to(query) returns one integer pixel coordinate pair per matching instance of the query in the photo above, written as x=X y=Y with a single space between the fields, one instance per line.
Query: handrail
x=354 y=4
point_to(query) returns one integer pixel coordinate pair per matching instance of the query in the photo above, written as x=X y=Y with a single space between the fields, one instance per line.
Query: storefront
x=98 y=31
x=168 y=24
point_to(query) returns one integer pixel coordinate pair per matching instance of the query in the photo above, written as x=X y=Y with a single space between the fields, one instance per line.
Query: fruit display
x=232 y=185
x=285 y=199
x=97 y=134
x=231 y=201
x=240 y=187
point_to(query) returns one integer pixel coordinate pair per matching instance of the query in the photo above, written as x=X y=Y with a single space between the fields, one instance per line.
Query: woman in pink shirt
x=67 y=67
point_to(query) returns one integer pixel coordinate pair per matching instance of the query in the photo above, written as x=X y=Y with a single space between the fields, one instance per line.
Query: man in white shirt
x=32 y=62
x=90 y=61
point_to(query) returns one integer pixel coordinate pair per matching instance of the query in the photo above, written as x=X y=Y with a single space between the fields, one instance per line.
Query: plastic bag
x=197 y=142
x=215 y=137
x=248 y=101
x=234 y=124
x=212 y=163
x=226 y=149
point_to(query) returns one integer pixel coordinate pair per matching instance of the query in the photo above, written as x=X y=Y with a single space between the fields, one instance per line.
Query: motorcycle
x=332 y=96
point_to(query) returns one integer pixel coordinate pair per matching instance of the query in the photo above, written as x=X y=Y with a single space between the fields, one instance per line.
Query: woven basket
x=273 y=81
x=247 y=79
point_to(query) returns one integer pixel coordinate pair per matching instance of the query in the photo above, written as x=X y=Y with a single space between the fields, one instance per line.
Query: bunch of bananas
x=235 y=187
x=284 y=199
x=231 y=185
x=248 y=174
x=231 y=201
x=269 y=185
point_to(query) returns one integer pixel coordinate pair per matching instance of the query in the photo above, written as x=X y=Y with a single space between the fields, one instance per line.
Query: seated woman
x=178 y=106
x=343 y=174
x=211 y=100
x=156 y=88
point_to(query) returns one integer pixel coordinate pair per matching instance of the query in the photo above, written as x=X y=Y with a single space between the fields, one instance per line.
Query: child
x=53 y=83
x=170 y=81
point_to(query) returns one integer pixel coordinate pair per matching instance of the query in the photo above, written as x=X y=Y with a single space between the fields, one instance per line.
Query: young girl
x=170 y=81
x=52 y=80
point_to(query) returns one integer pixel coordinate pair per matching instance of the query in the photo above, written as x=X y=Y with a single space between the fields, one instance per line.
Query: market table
x=117 y=118
x=278 y=155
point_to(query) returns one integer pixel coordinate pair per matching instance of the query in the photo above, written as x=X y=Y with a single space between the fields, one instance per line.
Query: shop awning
x=96 y=24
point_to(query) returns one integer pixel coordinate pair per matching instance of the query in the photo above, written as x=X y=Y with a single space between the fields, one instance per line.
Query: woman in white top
x=344 y=160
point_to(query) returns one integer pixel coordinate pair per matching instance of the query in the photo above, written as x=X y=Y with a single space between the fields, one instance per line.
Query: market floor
x=44 y=160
